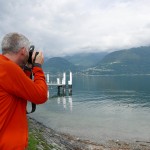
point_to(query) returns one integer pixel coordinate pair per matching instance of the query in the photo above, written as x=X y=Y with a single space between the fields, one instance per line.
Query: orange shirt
x=15 y=89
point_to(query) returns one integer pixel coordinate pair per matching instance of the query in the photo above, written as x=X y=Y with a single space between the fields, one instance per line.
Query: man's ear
x=22 y=51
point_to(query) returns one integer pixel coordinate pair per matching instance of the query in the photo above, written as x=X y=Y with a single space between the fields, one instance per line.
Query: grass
x=36 y=140
x=32 y=143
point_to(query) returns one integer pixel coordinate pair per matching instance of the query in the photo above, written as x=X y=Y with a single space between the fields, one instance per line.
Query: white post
x=47 y=77
x=58 y=81
x=64 y=79
x=70 y=84
x=70 y=81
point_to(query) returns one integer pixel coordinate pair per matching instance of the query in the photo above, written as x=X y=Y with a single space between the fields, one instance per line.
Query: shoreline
x=51 y=139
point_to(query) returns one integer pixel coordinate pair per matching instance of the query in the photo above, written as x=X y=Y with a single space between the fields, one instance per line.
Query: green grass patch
x=32 y=143
x=36 y=139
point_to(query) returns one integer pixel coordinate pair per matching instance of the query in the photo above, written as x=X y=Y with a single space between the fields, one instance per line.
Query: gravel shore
x=52 y=140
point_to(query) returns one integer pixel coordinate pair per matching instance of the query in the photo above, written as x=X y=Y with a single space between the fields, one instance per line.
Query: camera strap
x=33 y=109
x=32 y=104
x=31 y=76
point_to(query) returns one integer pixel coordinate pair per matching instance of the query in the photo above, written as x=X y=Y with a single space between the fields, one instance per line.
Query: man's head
x=16 y=46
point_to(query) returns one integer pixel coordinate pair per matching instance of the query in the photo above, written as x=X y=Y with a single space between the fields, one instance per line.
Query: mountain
x=130 y=61
x=58 y=65
x=85 y=60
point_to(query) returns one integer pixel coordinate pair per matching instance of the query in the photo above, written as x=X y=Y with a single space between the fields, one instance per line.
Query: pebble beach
x=50 y=139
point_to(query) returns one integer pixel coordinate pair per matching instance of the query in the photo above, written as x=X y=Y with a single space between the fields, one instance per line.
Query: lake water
x=101 y=108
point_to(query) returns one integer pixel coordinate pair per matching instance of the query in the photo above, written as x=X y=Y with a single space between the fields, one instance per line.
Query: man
x=16 y=88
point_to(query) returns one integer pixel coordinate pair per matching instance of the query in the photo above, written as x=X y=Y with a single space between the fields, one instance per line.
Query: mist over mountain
x=86 y=60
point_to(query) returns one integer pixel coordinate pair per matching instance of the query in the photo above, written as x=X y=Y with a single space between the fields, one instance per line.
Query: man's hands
x=39 y=58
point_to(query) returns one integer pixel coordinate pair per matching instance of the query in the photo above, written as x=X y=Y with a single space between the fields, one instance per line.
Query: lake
x=101 y=108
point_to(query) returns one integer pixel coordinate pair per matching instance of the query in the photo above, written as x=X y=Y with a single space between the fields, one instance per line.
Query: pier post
x=58 y=86
x=70 y=84
x=58 y=91
x=64 y=84
x=58 y=81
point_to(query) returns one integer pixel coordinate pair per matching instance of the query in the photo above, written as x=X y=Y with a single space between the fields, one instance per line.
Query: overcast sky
x=62 y=27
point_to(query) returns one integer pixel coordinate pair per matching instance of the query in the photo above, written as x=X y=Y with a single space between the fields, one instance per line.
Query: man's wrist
x=26 y=68
x=37 y=65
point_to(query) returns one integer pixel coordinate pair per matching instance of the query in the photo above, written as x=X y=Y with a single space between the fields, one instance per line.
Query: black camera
x=30 y=55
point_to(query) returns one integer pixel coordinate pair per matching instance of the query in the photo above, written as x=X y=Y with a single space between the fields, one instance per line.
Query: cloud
x=71 y=26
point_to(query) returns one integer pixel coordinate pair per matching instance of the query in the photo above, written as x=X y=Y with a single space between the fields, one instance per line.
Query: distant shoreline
x=62 y=141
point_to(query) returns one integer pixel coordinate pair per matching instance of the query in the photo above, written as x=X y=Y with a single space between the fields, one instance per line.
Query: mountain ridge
x=58 y=64
x=127 y=61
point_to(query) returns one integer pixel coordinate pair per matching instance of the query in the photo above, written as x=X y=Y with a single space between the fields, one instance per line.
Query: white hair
x=13 y=42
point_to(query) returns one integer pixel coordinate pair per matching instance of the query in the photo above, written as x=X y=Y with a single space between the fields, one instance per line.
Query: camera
x=31 y=49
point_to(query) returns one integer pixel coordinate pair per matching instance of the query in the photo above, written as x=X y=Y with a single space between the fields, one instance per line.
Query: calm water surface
x=101 y=108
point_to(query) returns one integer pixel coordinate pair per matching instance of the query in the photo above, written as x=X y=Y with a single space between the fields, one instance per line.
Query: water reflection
x=104 y=107
x=66 y=102
x=58 y=100
x=70 y=103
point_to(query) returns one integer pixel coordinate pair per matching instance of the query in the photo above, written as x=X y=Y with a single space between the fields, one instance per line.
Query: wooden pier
x=61 y=84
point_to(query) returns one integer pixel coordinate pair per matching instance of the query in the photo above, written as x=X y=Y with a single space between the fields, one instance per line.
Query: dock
x=62 y=86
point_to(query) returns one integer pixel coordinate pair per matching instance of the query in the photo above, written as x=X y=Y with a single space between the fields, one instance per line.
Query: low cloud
x=71 y=26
